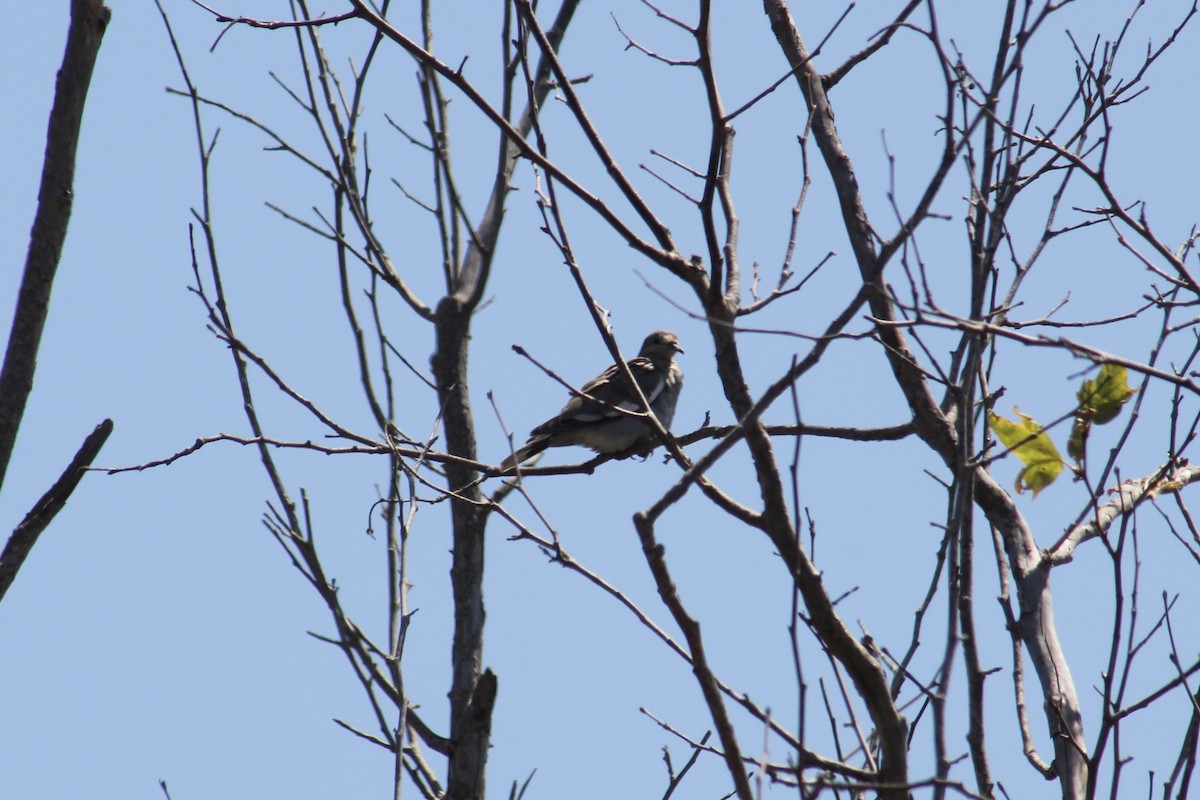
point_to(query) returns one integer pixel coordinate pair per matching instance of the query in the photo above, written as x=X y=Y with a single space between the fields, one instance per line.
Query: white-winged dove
x=596 y=425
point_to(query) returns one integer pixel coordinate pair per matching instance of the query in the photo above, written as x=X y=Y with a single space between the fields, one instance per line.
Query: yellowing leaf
x=1100 y=400
x=1029 y=442
x=1105 y=394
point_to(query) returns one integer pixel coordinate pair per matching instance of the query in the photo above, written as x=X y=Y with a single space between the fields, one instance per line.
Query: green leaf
x=1029 y=442
x=1100 y=400
x=1106 y=394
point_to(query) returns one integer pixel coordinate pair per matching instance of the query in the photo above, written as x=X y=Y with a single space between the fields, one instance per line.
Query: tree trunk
x=472 y=690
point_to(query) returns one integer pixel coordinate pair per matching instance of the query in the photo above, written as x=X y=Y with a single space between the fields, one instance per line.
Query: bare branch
x=89 y=19
x=26 y=534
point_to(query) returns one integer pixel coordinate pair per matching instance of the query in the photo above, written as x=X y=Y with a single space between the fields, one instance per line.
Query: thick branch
x=1130 y=494
x=89 y=18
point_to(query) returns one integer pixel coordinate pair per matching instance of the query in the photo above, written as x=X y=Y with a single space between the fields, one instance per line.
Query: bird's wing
x=610 y=389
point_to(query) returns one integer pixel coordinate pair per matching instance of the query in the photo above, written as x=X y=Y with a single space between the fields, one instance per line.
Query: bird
x=584 y=421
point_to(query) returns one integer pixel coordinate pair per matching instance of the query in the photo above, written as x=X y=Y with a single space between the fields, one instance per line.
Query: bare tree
x=942 y=306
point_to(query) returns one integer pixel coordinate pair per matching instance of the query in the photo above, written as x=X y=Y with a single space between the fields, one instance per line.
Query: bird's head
x=660 y=345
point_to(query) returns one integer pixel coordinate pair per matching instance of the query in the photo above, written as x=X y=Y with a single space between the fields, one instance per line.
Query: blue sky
x=157 y=631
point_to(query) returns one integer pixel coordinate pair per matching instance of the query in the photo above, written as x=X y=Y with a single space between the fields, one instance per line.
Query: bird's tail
x=525 y=452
